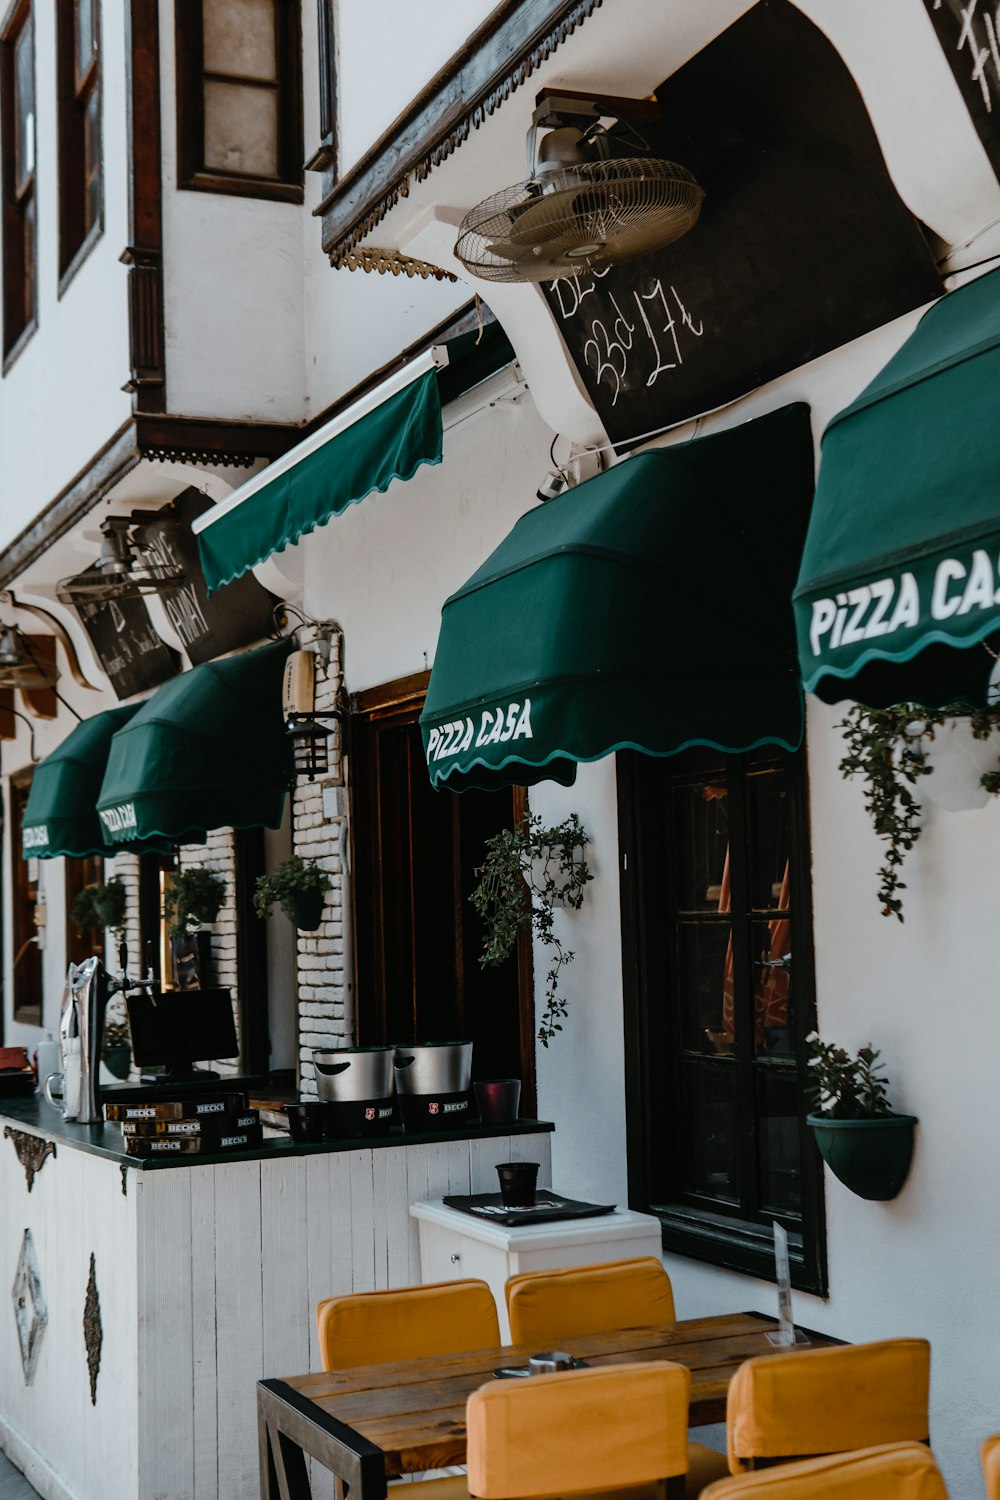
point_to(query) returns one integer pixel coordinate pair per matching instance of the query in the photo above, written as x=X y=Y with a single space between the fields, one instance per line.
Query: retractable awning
x=207 y=750
x=387 y=434
x=647 y=609
x=61 y=813
x=900 y=582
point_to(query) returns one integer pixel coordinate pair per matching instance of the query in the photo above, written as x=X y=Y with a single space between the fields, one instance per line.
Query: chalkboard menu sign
x=131 y=653
x=802 y=244
x=970 y=38
x=235 y=615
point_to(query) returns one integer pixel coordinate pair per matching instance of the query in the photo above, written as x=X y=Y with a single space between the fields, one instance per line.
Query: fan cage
x=589 y=216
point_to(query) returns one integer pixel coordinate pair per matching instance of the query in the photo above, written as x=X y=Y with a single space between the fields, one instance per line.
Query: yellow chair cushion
x=812 y=1401
x=370 y=1328
x=545 y=1306
x=990 y=1455
x=901 y=1471
x=608 y=1428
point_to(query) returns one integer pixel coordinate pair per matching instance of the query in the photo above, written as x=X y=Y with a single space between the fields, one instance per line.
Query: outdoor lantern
x=309 y=747
x=20 y=666
x=125 y=568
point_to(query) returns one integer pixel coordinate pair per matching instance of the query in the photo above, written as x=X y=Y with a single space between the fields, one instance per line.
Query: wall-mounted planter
x=871 y=1157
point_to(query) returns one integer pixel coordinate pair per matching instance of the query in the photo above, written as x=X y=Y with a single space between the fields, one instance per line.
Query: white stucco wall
x=61 y=399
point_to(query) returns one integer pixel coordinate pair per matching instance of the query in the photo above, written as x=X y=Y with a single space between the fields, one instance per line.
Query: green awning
x=311 y=483
x=646 y=609
x=361 y=451
x=899 y=578
x=61 y=814
x=207 y=750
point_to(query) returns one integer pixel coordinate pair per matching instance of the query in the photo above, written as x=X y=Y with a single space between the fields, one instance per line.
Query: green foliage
x=527 y=872
x=117 y=1034
x=844 y=1087
x=887 y=747
x=99 y=906
x=192 y=898
x=292 y=879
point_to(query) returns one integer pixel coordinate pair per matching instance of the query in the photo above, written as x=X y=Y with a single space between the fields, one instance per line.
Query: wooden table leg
x=289 y=1427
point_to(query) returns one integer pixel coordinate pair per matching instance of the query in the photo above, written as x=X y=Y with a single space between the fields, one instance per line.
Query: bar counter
x=150 y=1300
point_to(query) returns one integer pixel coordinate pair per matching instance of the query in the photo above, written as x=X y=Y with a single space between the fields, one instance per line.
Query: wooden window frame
x=25 y=1014
x=192 y=174
x=20 y=247
x=400 y=703
x=324 y=158
x=652 y=1037
x=75 y=92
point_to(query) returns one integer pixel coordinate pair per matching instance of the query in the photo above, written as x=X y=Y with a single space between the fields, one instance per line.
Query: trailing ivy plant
x=887 y=747
x=844 y=1087
x=529 y=871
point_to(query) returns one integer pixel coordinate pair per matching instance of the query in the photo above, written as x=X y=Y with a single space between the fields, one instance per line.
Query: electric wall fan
x=581 y=206
x=124 y=569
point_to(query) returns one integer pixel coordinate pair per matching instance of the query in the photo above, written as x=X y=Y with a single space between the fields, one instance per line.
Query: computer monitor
x=178 y=1028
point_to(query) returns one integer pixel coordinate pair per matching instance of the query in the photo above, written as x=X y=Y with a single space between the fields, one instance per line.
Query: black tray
x=489 y=1209
x=16 y=1082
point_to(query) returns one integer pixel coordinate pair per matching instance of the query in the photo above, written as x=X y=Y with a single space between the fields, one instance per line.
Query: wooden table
x=374 y=1421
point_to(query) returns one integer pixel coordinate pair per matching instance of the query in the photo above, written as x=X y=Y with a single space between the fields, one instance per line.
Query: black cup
x=517 y=1183
x=497 y=1099
x=305 y=1121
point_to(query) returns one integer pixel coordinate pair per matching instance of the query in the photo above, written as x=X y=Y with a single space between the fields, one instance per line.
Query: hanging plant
x=99 y=906
x=298 y=886
x=863 y=1142
x=192 y=898
x=529 y=871
x=888 y=747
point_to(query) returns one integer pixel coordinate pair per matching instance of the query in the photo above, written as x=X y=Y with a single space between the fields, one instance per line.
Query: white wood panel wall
x=208 y=1278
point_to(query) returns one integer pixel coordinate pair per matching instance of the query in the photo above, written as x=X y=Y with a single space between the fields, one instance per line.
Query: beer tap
x=125 y=984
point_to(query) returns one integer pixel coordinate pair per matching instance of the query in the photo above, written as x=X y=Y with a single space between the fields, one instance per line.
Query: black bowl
x=305 y=1121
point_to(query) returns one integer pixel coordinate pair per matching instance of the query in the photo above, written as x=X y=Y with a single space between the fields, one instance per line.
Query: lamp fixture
x=125 y=568
x=19 y=666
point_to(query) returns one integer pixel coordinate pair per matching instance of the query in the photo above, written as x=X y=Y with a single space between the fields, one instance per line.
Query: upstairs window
x=239 y=107
x=17 y=143
x=718 y=1003
x=81 y=174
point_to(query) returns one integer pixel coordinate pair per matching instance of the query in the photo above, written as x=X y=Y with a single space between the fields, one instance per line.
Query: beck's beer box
x=178 y=1109
x=193 y=1145
x=221 y=1124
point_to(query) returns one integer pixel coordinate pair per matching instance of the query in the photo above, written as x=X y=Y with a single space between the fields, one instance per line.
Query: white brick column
x=325 y=1010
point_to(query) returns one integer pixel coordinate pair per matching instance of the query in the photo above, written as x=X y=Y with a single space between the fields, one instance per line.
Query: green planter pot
x=871 y=1157
x=305 y=909
x=118 y=1059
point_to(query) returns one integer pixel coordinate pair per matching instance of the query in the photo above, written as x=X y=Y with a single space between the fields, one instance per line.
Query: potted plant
x=890 y=748
x=299 y=887
x=193 y=896
x=865 y=1145
x=99 y=906
x=117 y=1048
x=529 y=871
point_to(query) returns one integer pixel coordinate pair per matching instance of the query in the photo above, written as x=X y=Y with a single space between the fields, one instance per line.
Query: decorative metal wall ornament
x=32 y=1151
x=124 y=1172
x=30 y=1312
x=93 y=1333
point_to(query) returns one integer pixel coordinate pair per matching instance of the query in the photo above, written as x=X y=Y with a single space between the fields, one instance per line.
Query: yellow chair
x=370 y=1328
x=901 y=1471
x=616 y=1430
x=546 y=1306
x=990 y=1455
x=813 y=1401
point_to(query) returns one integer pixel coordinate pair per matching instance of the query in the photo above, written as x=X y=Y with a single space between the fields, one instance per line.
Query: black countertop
x=34 y=1115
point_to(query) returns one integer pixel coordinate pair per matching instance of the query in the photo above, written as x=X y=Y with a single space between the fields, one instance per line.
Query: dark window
x=80 y=165
x=27 y=957
x=81 y=872
x=325 y=157
x=718 y=1003
x=417 y=938
x=17 y=129
x=239 y=109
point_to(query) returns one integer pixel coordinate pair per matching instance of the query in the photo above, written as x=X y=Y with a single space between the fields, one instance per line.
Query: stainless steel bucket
x=348 y=1074
x=434 y=1068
